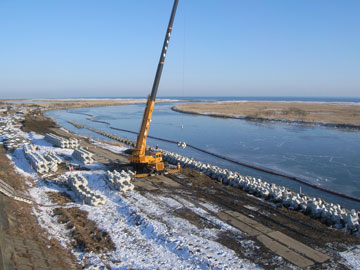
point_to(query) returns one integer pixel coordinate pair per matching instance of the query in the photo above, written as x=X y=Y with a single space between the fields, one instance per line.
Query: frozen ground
x=352 y=257
x=144 y=228
x=145 y=232
x=113 y=148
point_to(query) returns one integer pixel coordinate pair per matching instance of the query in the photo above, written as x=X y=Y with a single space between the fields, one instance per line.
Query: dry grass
x=57 y=104
x=331 y=113
x=84 y=234
x=23 y=224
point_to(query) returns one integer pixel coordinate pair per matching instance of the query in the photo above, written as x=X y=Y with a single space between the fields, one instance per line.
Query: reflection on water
x=324 y=156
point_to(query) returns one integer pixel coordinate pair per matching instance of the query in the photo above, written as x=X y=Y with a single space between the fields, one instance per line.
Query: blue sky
x=72 y=48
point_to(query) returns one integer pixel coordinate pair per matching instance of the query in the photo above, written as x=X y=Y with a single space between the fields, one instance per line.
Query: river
x=324 y=156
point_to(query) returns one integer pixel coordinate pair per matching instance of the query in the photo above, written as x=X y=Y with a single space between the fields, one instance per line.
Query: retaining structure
x=328 y=213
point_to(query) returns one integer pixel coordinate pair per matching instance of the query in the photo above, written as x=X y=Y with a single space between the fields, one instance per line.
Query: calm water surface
x=324 y=156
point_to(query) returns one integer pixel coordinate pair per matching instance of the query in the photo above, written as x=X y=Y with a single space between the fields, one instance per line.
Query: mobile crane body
x=140 y=159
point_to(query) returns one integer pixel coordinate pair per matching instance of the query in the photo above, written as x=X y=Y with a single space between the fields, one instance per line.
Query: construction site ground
x=24 y=244
x=281 y=238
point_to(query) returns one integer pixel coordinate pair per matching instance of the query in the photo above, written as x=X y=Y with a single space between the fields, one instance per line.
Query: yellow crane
x=141 y=159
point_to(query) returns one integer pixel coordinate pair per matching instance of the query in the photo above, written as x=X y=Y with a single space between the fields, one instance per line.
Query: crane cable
x=182 y=143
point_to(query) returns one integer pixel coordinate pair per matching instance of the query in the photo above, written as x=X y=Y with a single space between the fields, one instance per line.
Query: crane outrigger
x=141 y=159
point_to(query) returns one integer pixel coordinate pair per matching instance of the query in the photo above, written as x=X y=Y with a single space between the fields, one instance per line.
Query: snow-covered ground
x=144 y=227
x=352 y=257
x=113 y=148
x=145 y=232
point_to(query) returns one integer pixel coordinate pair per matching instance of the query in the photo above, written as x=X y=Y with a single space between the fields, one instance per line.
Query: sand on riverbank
x=309 y=112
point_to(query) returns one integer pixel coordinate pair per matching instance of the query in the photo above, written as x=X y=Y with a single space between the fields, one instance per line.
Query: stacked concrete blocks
x=12 y=193
x=52 y=157
x=29 y=148
x=62 y=142
x=79 y=185
x=37 y=161
x=53 y=161
x=73 y=143
x=41 y=163
x=121 y=180
x=10 y=134
x=83 y=156
x=328 y=213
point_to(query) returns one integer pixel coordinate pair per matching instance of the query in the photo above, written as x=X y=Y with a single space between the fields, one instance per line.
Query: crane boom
x=163 y=52
x=139 y=157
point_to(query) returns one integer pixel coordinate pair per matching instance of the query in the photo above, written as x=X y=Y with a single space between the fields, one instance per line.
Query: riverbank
x=187 y=217
x=64 y=104
x=333 y=114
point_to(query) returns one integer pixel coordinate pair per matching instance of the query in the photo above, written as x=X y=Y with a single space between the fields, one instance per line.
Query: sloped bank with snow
x=329 y=213
x=143 y=228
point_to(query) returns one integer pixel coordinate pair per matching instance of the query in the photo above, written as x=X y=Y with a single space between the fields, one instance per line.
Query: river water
x=324 y=156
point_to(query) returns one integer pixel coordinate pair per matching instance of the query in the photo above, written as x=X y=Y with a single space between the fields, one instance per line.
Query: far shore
x=64 y=104
x=335 y=114
x=324 y=113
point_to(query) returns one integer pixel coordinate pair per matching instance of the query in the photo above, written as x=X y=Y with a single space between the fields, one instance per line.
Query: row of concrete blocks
x=116 y=138
x=10 y=192
x=79 y=185
x=121 y=180
x=6 y=126
x=62 y=142
x=41 y=163
x=14 y=143
x=9 y=134
x=83 y=156
x=109 y=135
x=328 y=213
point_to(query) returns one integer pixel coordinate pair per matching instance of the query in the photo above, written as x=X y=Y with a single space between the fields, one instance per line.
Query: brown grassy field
x=329 y=113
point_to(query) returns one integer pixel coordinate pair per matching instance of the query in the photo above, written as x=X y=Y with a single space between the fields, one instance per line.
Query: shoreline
x=254 y=119
x=288 y=112
x=336 y=115
x=65 y=104
x=252 y=166
x=251 y=215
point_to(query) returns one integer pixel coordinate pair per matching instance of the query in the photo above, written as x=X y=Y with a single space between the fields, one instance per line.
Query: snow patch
x=144 y=229
x=352 y=257
x=113 y=148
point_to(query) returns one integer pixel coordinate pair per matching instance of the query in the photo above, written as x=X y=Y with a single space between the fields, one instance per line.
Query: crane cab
x=151 y=162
